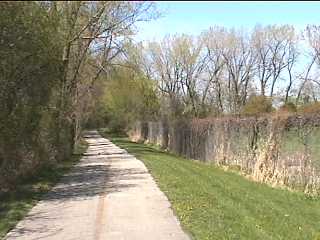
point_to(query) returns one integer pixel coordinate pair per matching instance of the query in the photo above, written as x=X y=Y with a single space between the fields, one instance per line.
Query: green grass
x=215 y=204
x=15 y=205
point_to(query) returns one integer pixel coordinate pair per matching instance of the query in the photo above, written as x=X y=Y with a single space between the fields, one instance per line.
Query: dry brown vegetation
x=281 y=150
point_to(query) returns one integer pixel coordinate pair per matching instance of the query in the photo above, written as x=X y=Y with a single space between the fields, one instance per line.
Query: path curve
x=109 y=194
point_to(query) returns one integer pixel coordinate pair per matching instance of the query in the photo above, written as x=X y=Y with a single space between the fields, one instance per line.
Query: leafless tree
x=178 y=63
x=240 y=62
x=213 y=90
x=276 y=52
x=309 y=82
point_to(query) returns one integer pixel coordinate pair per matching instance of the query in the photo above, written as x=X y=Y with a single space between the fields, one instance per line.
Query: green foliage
x=216 y=204
x=48 y=73
x=288 y=107
x=257 y=105
x=30 y=71
x=128 y=96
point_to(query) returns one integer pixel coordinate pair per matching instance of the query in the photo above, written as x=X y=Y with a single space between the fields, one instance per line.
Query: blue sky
x=194 y=17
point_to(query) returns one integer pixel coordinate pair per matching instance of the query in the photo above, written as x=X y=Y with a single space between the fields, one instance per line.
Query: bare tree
x=240 y=62
x=310 y=83
x=167 y=71
x=178 y=63
x=213 y=88
x=292 y=58
x=189 y=54
x=275 y=50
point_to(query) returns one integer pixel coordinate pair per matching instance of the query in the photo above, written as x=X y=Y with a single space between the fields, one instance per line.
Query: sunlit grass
x=215 y=204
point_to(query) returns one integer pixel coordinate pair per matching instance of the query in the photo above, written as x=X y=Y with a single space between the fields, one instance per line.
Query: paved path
x=108 y=195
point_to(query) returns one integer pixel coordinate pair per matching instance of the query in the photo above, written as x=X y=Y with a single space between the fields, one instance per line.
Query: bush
x=257 y=105
x=29 y=79
x=310 y=108
x=288 y=107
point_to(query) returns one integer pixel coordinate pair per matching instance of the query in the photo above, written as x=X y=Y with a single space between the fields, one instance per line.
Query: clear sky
x=194 y=17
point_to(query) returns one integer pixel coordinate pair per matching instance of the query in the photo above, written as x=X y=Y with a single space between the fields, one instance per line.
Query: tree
x=121 y=106
x=30 y=70
x=53 y=56
x=276 y=51
x=213 y=89
x=310 y=83
x=93 y=33
x=167 y=71
x=240 y=61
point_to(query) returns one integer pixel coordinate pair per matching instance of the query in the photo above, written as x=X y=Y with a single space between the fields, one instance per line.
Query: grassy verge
x=15 y=205
x=215 y=204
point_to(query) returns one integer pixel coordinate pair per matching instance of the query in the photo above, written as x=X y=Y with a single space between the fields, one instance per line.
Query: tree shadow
x=92 y=177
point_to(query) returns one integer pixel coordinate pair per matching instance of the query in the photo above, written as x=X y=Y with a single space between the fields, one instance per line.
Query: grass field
x=15 y=205
x=215 y=204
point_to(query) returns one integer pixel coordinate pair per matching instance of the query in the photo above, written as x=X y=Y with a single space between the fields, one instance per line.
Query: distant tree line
x=221 y=70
